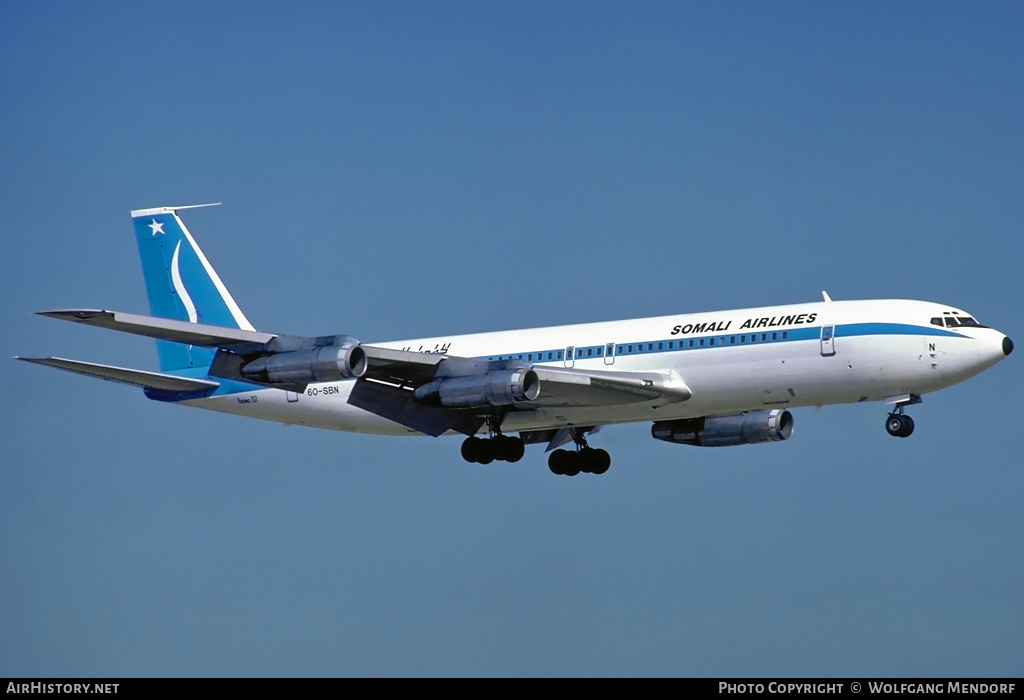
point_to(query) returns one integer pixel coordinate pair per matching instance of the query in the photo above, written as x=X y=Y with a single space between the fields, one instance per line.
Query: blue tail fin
x=181 y=284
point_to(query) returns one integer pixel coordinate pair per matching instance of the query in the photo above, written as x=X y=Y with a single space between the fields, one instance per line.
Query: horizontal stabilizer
x=200 y=334
x=136 y=377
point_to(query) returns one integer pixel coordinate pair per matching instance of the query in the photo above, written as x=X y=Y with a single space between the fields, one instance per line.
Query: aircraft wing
x=573 y=387
x=123 y=375
x=561 y=386
x=393 y=365
x=402 y=367
x=163 y=328
x=400 y=385
x=389 y=386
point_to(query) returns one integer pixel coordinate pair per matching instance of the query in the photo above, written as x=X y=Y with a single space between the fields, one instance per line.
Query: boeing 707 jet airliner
x=708 y=379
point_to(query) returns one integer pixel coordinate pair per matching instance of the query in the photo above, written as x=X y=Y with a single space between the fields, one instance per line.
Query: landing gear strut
x=583 y=459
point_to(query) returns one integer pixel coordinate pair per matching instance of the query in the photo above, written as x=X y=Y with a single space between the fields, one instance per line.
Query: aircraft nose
x=1007 y=345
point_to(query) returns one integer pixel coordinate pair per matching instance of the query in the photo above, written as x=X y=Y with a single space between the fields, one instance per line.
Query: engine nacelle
x=497 y=388
x=324 y=364
x=723 y=431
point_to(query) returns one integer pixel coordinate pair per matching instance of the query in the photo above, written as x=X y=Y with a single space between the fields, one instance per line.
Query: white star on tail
x=157 y=228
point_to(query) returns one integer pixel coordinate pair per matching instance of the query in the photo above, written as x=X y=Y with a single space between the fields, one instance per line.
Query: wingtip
x=71 y=314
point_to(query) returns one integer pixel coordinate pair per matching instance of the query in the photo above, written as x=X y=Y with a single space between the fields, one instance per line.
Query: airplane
x=709 y=379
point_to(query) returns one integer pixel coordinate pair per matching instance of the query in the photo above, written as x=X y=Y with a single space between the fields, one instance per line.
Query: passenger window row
x=582 y=353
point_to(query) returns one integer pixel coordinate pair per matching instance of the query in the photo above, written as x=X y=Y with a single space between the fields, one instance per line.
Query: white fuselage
x=732 y=361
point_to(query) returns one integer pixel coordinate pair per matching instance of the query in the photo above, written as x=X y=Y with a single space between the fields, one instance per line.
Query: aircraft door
x=828 y=347
x=609 y=354
x=570 y=356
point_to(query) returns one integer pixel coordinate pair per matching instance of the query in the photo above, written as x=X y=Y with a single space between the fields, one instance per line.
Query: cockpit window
x=957 y=321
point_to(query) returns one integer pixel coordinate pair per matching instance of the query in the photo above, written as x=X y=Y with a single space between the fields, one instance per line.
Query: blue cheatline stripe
x=853 y=329
x=719 y=341
x=644 y=347
x=227 y=386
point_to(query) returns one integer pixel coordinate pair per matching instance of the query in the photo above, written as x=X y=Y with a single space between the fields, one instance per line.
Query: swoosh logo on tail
x=179 y=286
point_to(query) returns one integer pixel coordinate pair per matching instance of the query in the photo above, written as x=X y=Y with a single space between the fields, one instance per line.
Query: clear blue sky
x=394 y=170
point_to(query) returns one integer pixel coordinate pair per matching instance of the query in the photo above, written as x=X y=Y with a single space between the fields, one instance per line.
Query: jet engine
x=723 y=431
x=321 y=364
x=497 y=388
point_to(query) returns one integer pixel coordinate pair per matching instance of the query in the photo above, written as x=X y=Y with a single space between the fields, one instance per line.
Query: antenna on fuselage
x=825 y=296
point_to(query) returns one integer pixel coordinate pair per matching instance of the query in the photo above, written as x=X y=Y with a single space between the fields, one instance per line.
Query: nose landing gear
x=899 y=425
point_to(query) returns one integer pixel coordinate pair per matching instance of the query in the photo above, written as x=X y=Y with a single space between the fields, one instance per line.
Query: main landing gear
x=584 y=459
x=506 y=448
x=503 y=448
